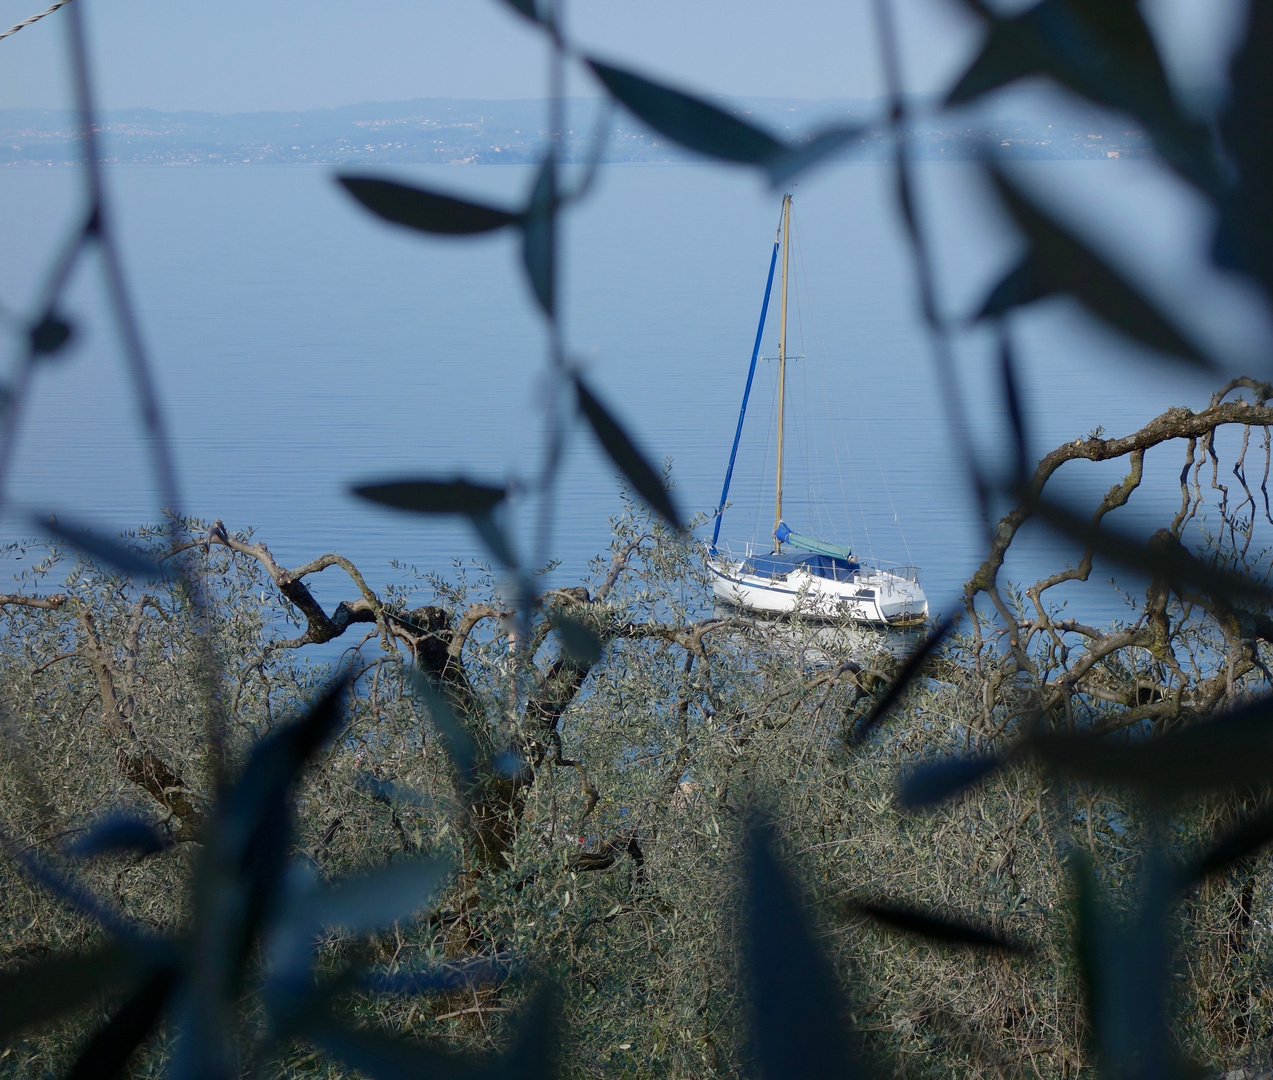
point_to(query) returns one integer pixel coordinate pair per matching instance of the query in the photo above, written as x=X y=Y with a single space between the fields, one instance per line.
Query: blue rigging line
x=751 y=372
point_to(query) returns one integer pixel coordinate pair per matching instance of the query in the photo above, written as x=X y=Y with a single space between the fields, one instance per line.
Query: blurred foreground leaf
x=114 y=554
x=119 y=833
x=380 y=1056
x=43 y=991
x=112 y=1044
x=1103 y=50
x=539 y=236
x=237 y=883
x=1247 y=838
x=641 y=475
x=423 y=496
x=1244 y=237
x=1125 y=964
x=1162 y=556
x=528 y=9
x=933 y=782
x=458 y=496
x=460 y=747
x=427 y=211
x=937 y=927
x=1058 y=262
x=1232 y=752
x=580 y=641
x=692 y=122
x=794 y=998
x=707 y=129
x=50 y=335
x=365 y=903
x=910 y=671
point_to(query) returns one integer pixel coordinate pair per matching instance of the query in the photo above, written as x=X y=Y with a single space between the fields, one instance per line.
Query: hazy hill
x=470 y=131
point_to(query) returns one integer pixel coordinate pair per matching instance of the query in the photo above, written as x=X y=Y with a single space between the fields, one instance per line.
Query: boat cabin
x=779 y=564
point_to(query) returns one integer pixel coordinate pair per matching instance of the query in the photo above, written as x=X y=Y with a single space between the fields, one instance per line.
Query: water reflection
x=821 y=644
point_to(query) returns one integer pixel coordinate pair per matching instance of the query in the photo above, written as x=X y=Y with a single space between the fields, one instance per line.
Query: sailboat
x=802 y=574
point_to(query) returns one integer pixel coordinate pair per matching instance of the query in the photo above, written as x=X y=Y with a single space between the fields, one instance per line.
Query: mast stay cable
x=751 y=374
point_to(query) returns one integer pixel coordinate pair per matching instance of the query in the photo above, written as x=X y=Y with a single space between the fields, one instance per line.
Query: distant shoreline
x=474 y=132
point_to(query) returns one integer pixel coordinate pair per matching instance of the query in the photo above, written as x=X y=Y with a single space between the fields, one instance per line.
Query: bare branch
x=53 y=602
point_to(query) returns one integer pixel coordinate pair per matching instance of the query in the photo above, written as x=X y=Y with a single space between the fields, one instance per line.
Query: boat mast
x=782 y=357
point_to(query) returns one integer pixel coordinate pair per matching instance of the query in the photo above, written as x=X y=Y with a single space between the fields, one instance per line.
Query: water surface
x=301 y=345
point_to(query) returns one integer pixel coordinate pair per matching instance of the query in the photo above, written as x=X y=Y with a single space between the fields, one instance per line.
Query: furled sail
x=784 y=535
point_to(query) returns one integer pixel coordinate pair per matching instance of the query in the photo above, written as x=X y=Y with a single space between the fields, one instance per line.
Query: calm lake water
x=301 y=346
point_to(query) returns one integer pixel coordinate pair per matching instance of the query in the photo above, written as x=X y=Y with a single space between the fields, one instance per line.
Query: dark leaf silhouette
x=690 y=121
x=936 y=927
x=237 y=880
x=533 y=1055
x=1162 y=556
x=460 y=747
x=1246 y=839
x=423 y=496
x=450 y=977
x=795 y=159
x=647 y=483
x=1016 y=416
x=1232 y=752
x=110 y=1047
x=1058 y=262
x=536 y=1050
x=381 y=1056
x=495 y=538
x=114 y=554
x=120 y=833
x=44 y=991
x=51 y=334
x=527 y=9
x=794 y=996
x=1124 y=962
x=937 y=781
x=1103 y=50
x=910 y=669
x=1023 y=284
x=579 y=640
x=1244 y=238
x=539 y=236
x=254 y=820
x=369 y=902
x=386 y=791
x=425 y=210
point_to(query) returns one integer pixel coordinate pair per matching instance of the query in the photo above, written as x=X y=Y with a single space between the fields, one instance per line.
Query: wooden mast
x=782 y=358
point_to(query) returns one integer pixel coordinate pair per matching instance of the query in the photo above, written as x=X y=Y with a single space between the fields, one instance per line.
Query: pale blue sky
x=235 y=55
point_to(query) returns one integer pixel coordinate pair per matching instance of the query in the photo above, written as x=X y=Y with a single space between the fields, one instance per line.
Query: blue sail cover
x=781 y=563
x=751 y=374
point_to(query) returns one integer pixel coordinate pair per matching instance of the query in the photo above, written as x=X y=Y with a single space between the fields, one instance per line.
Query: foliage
x=1110 y=790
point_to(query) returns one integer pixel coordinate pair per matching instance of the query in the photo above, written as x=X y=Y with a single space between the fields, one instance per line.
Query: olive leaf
x=119 y=833
x=616 y=442
x=539 y=236
x=707 y=129
x=1244 y=234
x=936 y=926
x=119 y=556
x=428 y=211
x=910 y=670
x=424 y=496
x=1103 y=50
x=796 y=1007
x=932 y=782
x=1058 y=262
x=580 y=640
x=50 y=335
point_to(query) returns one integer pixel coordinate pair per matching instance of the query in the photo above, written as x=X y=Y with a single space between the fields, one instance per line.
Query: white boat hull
x=881 y=596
